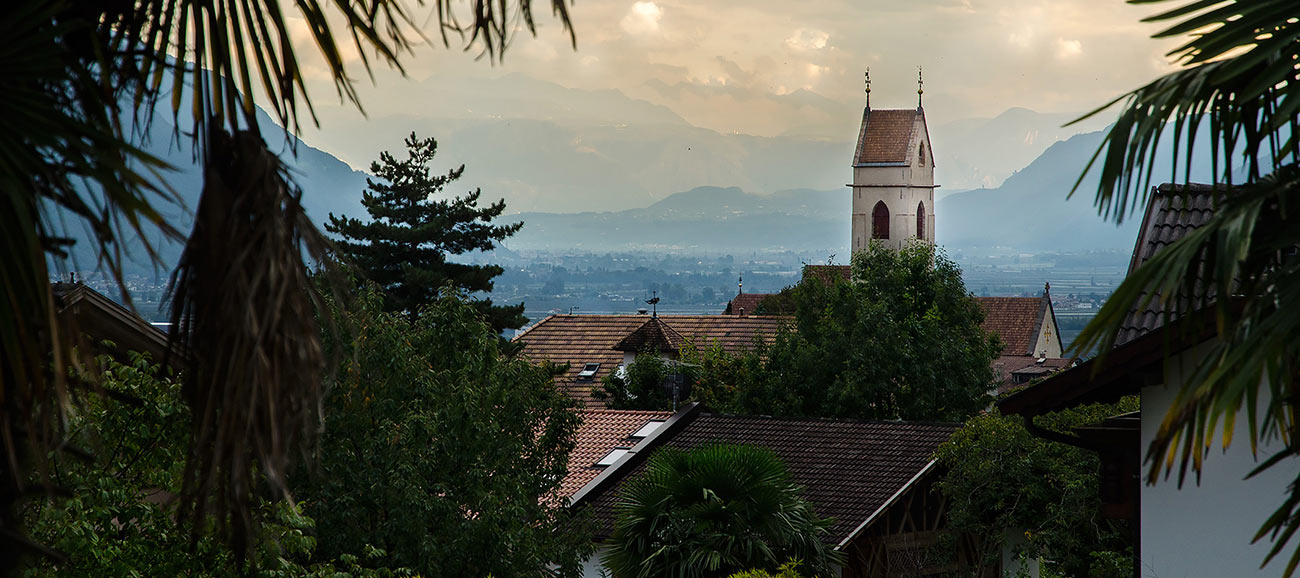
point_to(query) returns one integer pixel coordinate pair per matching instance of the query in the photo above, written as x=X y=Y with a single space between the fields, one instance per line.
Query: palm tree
x=78 y=73
x=714 y=511
x=1239 y=84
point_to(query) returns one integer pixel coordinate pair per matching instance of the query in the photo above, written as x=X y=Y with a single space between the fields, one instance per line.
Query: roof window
x=588 y=372
x=613 y=456
x=648 y=428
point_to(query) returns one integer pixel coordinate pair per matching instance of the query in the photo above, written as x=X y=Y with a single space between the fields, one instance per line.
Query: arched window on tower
x=920 y=220
x=880 y=221
x=920 y=154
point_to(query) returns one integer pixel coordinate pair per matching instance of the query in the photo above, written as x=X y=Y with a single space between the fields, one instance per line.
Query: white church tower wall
x=893 y=177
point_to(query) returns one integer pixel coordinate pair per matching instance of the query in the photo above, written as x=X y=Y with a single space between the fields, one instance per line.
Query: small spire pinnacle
x=867 y=75
x=740 y=285
x=920 y=86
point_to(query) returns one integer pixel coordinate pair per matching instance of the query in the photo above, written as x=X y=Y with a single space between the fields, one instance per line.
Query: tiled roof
x=1006 y=365
x=745 y=303
x=653 y=335
x=1172 y=212
x=602 y=430
x=581 y=339
x=1016 y=320
x=848 y=469
x=827 y=272
x=886 y=136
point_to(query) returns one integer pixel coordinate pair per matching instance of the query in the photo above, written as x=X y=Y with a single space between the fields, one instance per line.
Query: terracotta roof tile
x=1016 y=320
x=827 y=272
x=886 y=136
x=581 y=339
x=1172 y=212
x=848 y=469
x=1007 y=365
x=602 y=430
x=745 y=303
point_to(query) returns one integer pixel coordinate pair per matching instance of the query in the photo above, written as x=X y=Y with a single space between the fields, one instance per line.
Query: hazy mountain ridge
x=547 y=148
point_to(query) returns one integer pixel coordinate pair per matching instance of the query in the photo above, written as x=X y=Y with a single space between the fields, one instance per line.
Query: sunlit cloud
x=642 y=19
x=805 y=39
x=1068 y=49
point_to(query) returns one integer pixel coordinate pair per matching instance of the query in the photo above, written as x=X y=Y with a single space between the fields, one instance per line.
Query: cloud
x=643 y=18
x=805 y=39
x=1067 y=49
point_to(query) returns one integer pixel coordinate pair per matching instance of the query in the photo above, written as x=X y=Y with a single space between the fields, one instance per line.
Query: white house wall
x=1206 y=529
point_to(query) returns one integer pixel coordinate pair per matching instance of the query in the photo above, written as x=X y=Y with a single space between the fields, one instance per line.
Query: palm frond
x=1240 y=88
x=244 y=311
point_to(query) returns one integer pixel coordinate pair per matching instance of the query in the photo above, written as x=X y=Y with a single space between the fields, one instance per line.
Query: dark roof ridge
x=814 y=419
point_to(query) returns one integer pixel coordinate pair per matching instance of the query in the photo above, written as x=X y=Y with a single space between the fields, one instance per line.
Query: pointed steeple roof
x=888 y=136
x=653 y=335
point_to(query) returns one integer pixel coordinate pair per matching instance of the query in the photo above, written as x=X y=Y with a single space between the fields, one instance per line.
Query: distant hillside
x=547 y=148
x=1031 y=210
x=701 y=219
x=328 y=184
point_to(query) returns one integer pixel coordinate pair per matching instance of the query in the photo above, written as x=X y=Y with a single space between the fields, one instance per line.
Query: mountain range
x=596 y=170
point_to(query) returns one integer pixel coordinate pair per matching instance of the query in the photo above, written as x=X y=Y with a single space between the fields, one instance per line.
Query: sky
x=764 y=67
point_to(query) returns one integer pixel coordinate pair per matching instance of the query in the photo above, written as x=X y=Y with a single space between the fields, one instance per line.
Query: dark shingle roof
x=1017 y=320
x=886 y=136
x=848 y=469
x=602 y=430
x=581 y=339
x=1172 y=212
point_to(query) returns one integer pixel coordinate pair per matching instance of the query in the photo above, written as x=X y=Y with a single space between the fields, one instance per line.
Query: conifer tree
x=412 y=229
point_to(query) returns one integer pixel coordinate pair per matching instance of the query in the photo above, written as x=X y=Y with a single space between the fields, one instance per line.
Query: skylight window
x=648 y=428
x=588 y=371
x=613 y=456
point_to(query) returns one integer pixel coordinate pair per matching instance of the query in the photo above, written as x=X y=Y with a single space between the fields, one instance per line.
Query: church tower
x=893 y=176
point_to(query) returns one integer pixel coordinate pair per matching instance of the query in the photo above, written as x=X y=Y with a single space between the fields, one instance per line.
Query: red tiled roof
x=581 y=339
x=1017 y=320
x=745 y=303
x=827 y=272
x=601 y=430
x=886 y=136
x=653 y=335
x=848 y=469
x=1009 y=364
x=1172 y=212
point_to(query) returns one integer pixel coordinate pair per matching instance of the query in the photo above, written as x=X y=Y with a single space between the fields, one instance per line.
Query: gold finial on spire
x=920 y=86
x=867 y=74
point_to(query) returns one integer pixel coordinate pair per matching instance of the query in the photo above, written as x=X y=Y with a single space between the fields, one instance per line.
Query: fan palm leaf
x=714 y=511
x=1240 y=88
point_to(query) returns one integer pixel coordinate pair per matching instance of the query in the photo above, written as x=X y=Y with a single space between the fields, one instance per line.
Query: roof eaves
x=882 y=164
x=894 y=498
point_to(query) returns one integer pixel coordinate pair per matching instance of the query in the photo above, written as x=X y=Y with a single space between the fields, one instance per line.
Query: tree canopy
x=1000 y=479
x=712 y=512
x=902 y=340
x=440 y=451
x=1237 y=84
x=412 y=230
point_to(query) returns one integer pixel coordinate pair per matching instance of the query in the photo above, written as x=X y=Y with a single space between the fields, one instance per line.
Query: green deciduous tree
x=412 y=230
x=440 y=451
x=1237 y=84
x=1001 y=478
x=115 y=508
x=902 y=340
x=714 y=511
